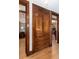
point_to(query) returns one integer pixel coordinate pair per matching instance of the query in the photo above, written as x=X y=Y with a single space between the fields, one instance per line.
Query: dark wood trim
x=54 y=19
x=22 y=11
x=58 y=29
x=26 y=3
x=23 y=2
x=27 y=31
x=50 y=29
x=54 y=13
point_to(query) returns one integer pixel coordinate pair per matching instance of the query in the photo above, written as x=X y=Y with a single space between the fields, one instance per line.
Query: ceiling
x=48 y=4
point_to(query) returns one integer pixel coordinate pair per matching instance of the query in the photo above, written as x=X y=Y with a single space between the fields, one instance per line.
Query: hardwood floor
x=47 y=53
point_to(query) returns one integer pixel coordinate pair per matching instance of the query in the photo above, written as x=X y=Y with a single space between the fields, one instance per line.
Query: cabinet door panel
x=46 y=23
x=39 y=24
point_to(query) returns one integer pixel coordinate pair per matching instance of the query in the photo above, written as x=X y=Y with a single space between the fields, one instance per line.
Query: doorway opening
x=22 y=29
x=22 y=17
x=55 y=26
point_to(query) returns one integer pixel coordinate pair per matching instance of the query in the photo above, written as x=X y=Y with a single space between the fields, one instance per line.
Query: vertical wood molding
x=50 y=28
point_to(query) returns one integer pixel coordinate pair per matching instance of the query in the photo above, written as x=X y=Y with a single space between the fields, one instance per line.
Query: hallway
x=47 y=53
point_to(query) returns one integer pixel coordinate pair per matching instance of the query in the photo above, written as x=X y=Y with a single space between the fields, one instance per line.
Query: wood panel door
x=41 y=28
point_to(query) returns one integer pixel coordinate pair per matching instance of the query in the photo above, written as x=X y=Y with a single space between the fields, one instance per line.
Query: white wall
x=48 y=4
x=30 y=23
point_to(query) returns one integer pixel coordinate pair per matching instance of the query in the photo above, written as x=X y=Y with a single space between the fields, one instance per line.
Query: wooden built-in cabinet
x=41 y=28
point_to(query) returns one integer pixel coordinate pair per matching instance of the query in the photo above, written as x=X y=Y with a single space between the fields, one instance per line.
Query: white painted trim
x=30 y=23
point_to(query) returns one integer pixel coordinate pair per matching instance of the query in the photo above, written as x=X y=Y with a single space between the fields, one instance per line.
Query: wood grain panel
x=41 y=28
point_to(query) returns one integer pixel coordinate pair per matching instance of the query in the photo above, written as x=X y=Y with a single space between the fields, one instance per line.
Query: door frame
x=57 y=33
x=26 y=3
